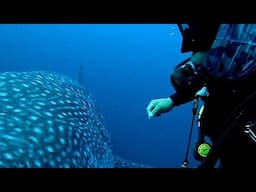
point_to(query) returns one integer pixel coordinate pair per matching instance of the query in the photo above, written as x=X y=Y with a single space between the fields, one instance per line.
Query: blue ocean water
x=124 y=67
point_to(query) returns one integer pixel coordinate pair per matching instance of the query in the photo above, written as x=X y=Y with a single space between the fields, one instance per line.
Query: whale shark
x=48 y=120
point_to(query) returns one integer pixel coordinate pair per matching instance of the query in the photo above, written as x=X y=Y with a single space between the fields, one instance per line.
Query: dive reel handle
x=195 y=105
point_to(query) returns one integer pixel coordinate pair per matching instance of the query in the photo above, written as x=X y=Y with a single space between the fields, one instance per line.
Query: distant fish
x=47 y=120
x=80 y=77
x=172 y=33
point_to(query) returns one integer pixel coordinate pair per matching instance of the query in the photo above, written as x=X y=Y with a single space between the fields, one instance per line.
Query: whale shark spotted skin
x=48 y=120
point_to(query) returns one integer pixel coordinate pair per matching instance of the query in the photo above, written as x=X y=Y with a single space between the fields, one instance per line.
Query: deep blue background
x=125 y=66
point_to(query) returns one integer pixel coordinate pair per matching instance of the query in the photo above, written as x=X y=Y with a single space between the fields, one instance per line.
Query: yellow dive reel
x=202 y=148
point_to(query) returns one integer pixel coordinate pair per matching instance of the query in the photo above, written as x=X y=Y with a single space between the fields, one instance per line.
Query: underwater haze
x=123 y=66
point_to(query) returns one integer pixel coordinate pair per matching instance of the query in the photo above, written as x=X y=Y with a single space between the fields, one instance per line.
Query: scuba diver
x=223 y=61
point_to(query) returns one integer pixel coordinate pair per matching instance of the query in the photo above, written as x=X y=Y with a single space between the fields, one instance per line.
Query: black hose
x=194 y=110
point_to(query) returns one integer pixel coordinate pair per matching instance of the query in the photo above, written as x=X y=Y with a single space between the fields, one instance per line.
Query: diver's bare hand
x=158 y=106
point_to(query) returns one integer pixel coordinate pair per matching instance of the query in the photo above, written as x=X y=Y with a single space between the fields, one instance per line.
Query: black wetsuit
x=224 y=96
